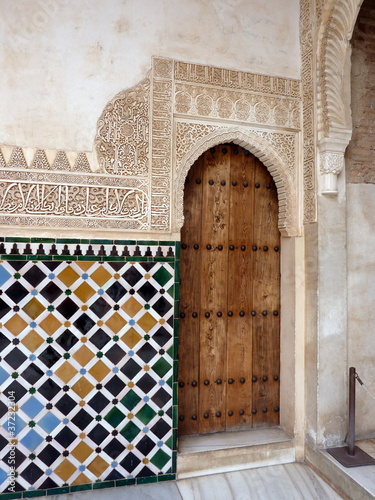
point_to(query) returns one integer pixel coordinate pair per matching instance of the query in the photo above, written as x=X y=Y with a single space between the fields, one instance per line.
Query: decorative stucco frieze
x=147 y=139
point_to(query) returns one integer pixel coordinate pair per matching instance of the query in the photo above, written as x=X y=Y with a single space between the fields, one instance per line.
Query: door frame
x=292 y=269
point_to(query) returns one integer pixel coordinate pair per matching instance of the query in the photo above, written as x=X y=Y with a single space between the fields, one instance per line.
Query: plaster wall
x=65 y=60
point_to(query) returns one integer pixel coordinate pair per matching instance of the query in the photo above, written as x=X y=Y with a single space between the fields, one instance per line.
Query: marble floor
x=294 y=481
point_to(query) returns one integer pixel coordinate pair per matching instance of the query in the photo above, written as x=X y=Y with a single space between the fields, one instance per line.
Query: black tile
x=34 y=276
x=65 y=437
x=17 y=389
x=146 y=472
x=4 y=341
x=3 y=411
x=67 y=340
x=52 y=265
x=49 y=389
x=147 y=266
x=116 y=291
x=161 y=428
x=65 y=404
x=146 y=352
x=162 y=306
x=17 y=292
x=3 y=442
x=130 y=462
x=98 y=434
x=47 y=484
x=161 y=336
x=18 y=457
x=49 y=356
x=51 y=292
x=114 y=475
x=15 y=358
x=114 y=448
x=100 y=338
x=48 y=455
x=130 y=369
x=146 y=383
x=147 y=291
x=115 y=354
x=116 y=265
x=31 y=473
x=32 y=373
x=82 y=419
x=100 y=307
x=115 y=385
x=67 y=308
x=4 y=308
x=132 y=276
x=145 y=445
x=17 y=264
x=84 y=323
x=169 y=412
x=161 y=397
x=98 y=402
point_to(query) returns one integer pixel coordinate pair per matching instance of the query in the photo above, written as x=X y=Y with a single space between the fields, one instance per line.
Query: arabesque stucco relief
x=147 y=139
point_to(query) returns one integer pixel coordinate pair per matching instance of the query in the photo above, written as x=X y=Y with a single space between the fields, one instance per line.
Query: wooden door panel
x=230 y=281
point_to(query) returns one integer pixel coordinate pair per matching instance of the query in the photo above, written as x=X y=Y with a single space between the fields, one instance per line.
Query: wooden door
x=229 y=353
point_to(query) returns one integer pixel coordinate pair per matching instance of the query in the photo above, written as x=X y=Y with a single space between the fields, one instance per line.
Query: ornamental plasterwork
x=142 y=142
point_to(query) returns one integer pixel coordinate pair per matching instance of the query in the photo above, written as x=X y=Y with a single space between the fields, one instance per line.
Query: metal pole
x=351 y=433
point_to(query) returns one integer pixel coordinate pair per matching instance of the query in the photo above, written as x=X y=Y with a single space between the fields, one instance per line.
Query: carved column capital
x=332 y=161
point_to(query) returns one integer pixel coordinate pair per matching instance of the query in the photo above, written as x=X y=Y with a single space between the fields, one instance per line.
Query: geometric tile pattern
x=87 y=349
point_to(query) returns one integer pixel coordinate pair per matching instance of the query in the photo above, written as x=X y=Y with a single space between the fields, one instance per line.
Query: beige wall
x=63 y=60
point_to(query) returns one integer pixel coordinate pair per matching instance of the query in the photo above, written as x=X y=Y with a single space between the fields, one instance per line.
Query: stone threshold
x=232 y=451
x=353 y=483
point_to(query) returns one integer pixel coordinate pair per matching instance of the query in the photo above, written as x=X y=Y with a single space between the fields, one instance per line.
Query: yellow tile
x=32 y=341
x=33 y=308
x=82 y=387
x=100 y=276
x=84 y=292
x=50 y=324
x=131 y=338
x=81 y=452
x=116 y=322
x=15 y=325
x=147 y=322
x=68 y=276
x=98 y=466
x=83 y=355
x=131 y=307
x=66 y=372
x=85 y=266
x=99 y=370
x=81 y=479
x=65 y=470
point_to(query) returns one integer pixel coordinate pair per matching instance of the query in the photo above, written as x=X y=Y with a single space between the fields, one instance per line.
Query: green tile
x=130 y=400
x=148 y=479
x=88 y=258
x=167 y=244
x=176 y=325
x=43 y=257
x=166 y=477
x=148 y=243
x=125 y=242
x=84 y=242
x=16 y=240
x=125 y=482
x=103 y=484
x=14 y=257
x=171 y=292
x=43 y=240
x=145 y=414
x=101 y=242
x=9 y=496
x=160 y=459
x=161 y=367
x=58 y=491
x=176 y=308
x=114 y=417
x=174 y=461
x=136 y=259
x=169 y=442
x=66 y=241
x=162 y=276
x=170 y=380
x=178 y=250
x=130 y=431
x=174 y=438
x=34 y=493
x=177 y=272
x=175 y=393
x=80 y=487
x=170 y=351
x=164 y=259
x=113 y=258
x=175 y=415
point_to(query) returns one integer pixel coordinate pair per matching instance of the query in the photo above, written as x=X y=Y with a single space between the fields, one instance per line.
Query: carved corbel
x=332 y=161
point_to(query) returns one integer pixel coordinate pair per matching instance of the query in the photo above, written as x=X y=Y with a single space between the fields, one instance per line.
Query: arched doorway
x=229 y=334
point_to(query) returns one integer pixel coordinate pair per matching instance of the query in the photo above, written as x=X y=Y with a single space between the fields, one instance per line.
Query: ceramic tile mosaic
x=87 y=353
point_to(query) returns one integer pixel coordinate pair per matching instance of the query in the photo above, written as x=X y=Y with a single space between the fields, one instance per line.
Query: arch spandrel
x=286 y=185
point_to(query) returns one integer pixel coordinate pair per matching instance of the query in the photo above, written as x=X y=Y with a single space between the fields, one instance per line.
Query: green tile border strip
x=166 y=247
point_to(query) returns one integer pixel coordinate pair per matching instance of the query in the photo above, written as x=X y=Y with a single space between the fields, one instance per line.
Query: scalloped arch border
x=337 y=25
x=287 y=195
